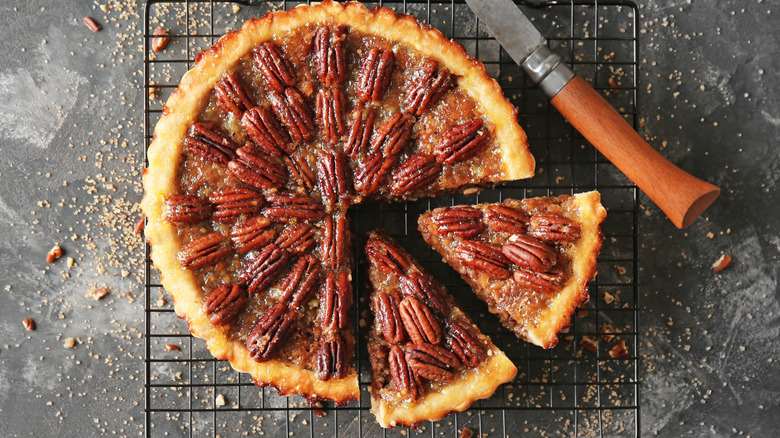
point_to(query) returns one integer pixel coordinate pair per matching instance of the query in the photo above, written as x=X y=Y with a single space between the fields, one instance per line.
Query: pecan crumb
x=466 y=433
x=54 y=254
x=91 y=24
x=172 y=347
x=590 y=343
x=69 y=343
x=29 y=324
x=618 y=350
x=220 y=401
x=721 y=263
x=608 y=298
x=98 y=294
x=139 y=226
x=161 y=39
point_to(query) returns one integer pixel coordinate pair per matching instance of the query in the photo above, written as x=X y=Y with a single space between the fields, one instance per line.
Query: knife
x=681 y=196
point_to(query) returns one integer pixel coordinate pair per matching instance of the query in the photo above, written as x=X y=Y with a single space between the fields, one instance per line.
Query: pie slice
x=265 y=144
x=427 y=357
x=529 y=260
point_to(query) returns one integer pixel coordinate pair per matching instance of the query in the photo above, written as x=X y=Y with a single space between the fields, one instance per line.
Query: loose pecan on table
x=210 y=143
x=297 y=238
x=389 y=317
x=393 y=135
x=266 y=132
x=432 y=362
x=270 y=333
x=505 y=219
x=531 y=253
x=465 y=344
x=252 y=234
x=334 y=176
x=224 y=303
x=483 y=257
x=373 y=171
x=300 y=171
x=333 y=248
x=461 y=221
x=419 y=322
x=461 y=142
x=416 y=285
x=406 y=381
x=291 y=207
x=301 y=282
x=331 y=57
x=360 y=131
x=426 y=87
x=258 y=169
x=540 y=281
x=553 y=228
x=331 y=358
x=186 y=209
x=262 y=270
x=294 y=113
x=374 y=75
x=232 y=95
x=335 y=299
x=330 y=114
x=277 y=71
x=417 y=172
x=206 y=250
x=387 y=256
x=231 y=203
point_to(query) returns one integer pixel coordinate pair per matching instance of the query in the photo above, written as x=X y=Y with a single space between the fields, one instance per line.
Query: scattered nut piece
x=139 y=226
x=618 y=350
x=54 y=254
x=608 y=298
x=160 y=302
x=71 y=262
x=721 y=263
x=29 y=324
x=470 y=191
x=161 y=39
x=154 y=93
x=466 y=433
x=220 y=401
x=172 y=347
x=91 y=24
x=607 y=332
x=590 y=343
x=69 y=343
x=98 y=294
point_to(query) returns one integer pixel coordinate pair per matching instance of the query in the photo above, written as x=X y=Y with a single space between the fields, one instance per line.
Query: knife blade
x=680 y=195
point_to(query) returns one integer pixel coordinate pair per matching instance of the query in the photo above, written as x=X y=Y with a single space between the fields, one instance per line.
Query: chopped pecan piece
x=505 y=219
x=553 y=228
x=461 y=142
x=417 y=172
x=331 y=55
x=330 y=114
x=277 y=71
x=210 y=143
x=261 y=271
x=231 y=203
x=291 y=207
x=376 y=69
x=294 y=113
x=331 y=358
x=360 y=131
x=406 y=382
x=334 y=177
x=419 y=322
x=540 y=281
x=266 y=132
x=301 y=281
x=160 y=40
x=298 y=167
x=393 y=135
x=270 y=333
x=335 y=299
x=258 y=169
x=224 y=303
x=252 y=234
x=186 y=209
x=333 y=249
x=416 y=285
x=232 y=95
x=432 y=362
x=483 y=257
x=530 y=253
x=461 y=221
x=54 y=253
x=722 y=263
x=372 y=173
x=426 y=88
x=387 y=256
x=206 y=250
x=388 y=317
x=465 y=344
x=618 y=350
x=297 y=239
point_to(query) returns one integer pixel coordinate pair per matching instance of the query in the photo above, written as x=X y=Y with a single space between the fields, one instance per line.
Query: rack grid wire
x=566 y=391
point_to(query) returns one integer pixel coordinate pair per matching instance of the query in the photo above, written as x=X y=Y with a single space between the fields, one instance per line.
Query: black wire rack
x=575 y=389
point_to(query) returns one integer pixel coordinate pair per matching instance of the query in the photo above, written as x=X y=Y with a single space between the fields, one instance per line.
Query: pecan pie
x=529 y=260
x=427 y=357
x=265 y=144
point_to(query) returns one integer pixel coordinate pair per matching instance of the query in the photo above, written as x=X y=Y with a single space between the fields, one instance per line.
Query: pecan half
x=301 y=281
x=393 y=135
x=258 y=169
x=231 y=203
x=419 y=322
x=270 y=333
x=335 y=299
x=186 y=209
x=553 y=228
x=232 y=95
x=333 y=249
x=206 y=250
x=331 y=358
x=277 y=71
x=373 y=171
x=298 y=167
x=330 y=114
x=296 y=239
x=505 y=219
x=294 y=113
x=376 y=69
x=261 y=271
x=331 y=55
x=432 y=362
x=528 y=252
x=461 y=142
x=416 y=285
x=540 y=281
x=210 y=143
x=388 y=317
x=335 y=177
x=426 y=88
x=360 y=131
x=469 y=349
x=252 y=234
x=461 y=221
x=266 y=132
x=483 y=257
x=387 y=256
x=417 y=172
x=406 y=382
x=224 y=303
x=291 y=207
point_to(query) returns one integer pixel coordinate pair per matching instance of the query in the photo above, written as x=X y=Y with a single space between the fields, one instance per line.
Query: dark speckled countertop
x=70 y=160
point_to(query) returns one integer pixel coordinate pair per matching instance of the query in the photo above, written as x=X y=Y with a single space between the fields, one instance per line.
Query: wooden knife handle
x=679 y=194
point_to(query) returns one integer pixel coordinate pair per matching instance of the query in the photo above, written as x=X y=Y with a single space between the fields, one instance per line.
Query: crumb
x=69 y=343
x=220 y=401
x=722 y=263
x=54 y=254
x=29 y=324
x=618 y=350
x=172 y=347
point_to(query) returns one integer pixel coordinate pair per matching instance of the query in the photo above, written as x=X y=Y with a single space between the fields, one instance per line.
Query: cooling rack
x=576 y=389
